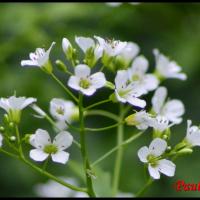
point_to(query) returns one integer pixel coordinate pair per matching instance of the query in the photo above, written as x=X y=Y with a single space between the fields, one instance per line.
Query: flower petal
x=143 y=153
x=65 y=44
x=157 y=147
x=27 y=102
x=98 y=80
x=43 y=59
x=4 y=104
x=150 y=82
x=158 y=99
x=82 y=71
x=136 y=101
x=60 y=157
x=84 y=43
x=38 y=155
x=63 y=140
x=154 y=172
x=173 y=110
x=61 y=125
x=121 y=79
x=73 y=82
x=166 y=167
x=89 y=91
x=29 y=63
x=40 y=139
x=139 y=65
x=130 y=51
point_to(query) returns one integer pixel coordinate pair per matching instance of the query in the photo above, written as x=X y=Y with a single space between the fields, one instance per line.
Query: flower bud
x=12 y=138
x=2 y=129
x=61 y=66
x=110 y=85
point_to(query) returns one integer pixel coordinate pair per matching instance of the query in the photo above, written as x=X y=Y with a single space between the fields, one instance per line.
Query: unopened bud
x=2 y=129
x=11 y=125
x=61 y=66
x=12 y=138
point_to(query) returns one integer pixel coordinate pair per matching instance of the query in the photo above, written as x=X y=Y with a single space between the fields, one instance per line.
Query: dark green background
x=173 y=28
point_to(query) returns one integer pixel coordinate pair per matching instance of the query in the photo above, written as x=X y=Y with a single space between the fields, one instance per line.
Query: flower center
x=50 y=149
x=60 y=110
x=135 y=77
x=152 y=160
x=84 y=83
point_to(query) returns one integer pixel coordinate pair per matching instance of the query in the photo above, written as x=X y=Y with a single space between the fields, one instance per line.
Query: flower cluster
x=130 y=83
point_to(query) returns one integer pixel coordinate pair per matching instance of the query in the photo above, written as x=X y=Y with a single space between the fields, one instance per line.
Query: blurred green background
x=172 y=28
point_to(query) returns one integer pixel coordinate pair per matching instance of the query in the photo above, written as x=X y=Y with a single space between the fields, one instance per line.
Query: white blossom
x=39 y=58
x=14 y=105
x=193 y=134
x=54 y=189
x=111 y=47
x=137 y=72
x=84 y=82
x=62 y=110
x=139 y=119
x=44 y=147
x=1 y=140
x=156 y=165
x=167 y=68
x=85 y=43
x=171 y=109
x=128 y=92
x=160 y=123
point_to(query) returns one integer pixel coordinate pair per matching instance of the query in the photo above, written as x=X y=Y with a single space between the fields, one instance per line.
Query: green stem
x=102 y=113
x=141 y=191
x=128 y=141
x=102 y=68
x=97 y=104
x=104 y=128
x=86 y=164
x=41 y=171
x=118 y=161
x=19 y=141
x=9 y=154
x=64 y=87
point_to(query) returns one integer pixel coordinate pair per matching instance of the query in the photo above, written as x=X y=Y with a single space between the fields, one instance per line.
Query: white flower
x=84 y=82
x=111 y=47
x=172 y=109
x=62 y=110
x=39 y=58
x=42 y=142
x=139 y=119
x=54 y=189
x=159 y=123
x=89 y=47
x=137 y=72
x=126 y=91
x=130 y=51
x=14 y=105
x=193 y=134
x=167 y=68
x=156 y=165
x=1 y=140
